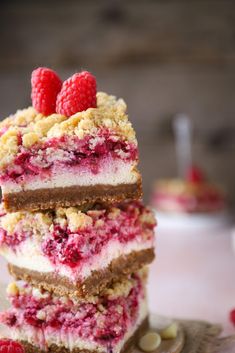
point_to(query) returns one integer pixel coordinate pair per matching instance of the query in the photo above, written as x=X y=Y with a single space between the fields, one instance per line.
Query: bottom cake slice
x=43 y=322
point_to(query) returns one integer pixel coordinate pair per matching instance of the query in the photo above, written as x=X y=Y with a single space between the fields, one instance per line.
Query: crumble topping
x=72 y=217
x=148 y=217
x=21 y=221
x=35 y=128
x=77 y=219
x=114 y=213
x=10 y=220
x=29 y=139
x=123 y=288
x=110 y=113
x=44 y=125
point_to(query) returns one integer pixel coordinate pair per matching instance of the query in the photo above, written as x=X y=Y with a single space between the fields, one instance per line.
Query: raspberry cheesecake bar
x=67 y=250
x=179 y=196
x=193 y=195
x=42 y=322
x=70 y=157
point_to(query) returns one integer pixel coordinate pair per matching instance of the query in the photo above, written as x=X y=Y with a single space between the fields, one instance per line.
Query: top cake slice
x=56 y=160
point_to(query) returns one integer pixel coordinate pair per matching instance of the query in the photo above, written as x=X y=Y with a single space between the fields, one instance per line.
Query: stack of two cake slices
x=73 y=230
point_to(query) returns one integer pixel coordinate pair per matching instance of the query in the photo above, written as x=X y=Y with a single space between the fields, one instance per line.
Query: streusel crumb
x=30 y=139
x=33 y=127
x=77 y=219
x=38 y=223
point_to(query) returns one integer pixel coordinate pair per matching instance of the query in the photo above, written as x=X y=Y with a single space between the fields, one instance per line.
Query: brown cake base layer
x=130 y=343
x=42 y=199
x=92 y=285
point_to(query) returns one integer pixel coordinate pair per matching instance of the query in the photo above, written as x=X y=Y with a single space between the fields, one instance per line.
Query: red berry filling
x=72 y=248
x=11 y=240
x=67 y=152
x=105 y=320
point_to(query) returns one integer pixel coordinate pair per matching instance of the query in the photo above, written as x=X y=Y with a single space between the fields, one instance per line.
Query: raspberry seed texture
x=46 y=85
x=78 y=93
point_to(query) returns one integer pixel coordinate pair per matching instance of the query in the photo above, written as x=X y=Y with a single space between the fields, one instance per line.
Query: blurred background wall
x=163 y=57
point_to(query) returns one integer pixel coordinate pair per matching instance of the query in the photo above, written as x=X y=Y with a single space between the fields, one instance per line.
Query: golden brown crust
x=94 y=284
x=43 y=199
x=29 y=348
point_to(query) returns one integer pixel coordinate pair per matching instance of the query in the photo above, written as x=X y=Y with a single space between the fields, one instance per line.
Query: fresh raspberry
x=78 y=93
x=195 y=175
x=46 y=85
x=9 y=346
x=232 y=316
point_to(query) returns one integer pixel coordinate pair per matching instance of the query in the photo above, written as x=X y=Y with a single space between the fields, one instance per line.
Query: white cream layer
x=30 y=256
x=71 y=341
x=114 y=172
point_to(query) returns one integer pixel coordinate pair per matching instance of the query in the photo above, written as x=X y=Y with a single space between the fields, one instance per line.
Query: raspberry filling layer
x=105 y=319
x=124 y=223
x=89 y=153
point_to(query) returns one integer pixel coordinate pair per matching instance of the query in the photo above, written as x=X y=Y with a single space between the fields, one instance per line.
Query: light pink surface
x=192 y=277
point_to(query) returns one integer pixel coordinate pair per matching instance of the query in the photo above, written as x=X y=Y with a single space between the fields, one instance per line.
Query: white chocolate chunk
x=170 y=332
x=12 y=289
x=41 y=315
x=150 y=341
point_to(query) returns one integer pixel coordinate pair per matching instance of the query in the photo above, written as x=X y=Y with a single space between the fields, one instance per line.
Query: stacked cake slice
x=42 y=321
x=51 y=161
x=72 y=226
x=78 y=252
